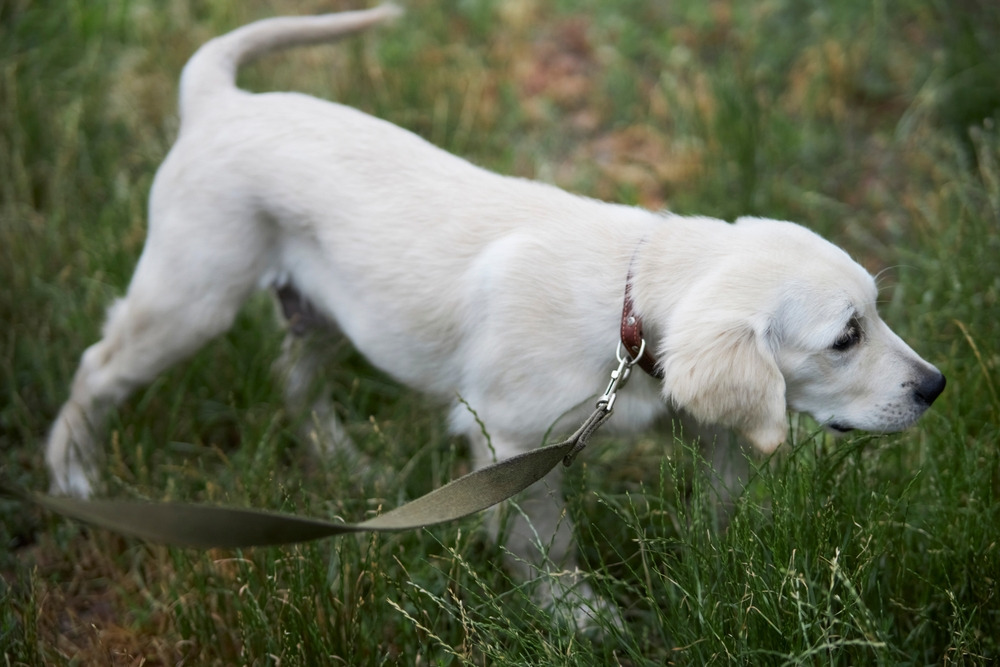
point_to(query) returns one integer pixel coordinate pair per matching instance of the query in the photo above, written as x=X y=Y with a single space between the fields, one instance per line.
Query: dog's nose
x=929 y=388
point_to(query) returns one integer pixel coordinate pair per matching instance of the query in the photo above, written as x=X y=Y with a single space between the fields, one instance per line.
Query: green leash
x=205 y=526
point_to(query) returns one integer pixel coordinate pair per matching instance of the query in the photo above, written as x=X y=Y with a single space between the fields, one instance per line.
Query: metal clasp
x=619 y=376
x=606 y=403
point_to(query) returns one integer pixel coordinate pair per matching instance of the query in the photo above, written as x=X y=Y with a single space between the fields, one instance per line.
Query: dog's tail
x=212 y=69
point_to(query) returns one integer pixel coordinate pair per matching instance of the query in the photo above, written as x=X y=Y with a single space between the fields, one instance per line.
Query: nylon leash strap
x=205 y=526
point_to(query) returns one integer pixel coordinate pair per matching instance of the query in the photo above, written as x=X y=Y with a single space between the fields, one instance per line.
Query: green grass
x=874 y=123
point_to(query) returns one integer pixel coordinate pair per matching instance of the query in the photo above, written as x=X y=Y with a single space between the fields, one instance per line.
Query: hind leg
x=310 y=343
x=179 y=298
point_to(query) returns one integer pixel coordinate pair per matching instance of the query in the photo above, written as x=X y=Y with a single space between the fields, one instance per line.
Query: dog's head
x=788 y=320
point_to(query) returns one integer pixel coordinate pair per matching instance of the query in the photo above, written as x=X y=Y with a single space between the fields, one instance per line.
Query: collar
x=631 y=334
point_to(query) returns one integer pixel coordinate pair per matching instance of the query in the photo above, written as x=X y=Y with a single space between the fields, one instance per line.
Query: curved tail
x=212 y=69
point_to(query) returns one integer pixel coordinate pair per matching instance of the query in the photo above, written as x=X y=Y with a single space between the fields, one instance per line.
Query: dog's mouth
x=840 y=428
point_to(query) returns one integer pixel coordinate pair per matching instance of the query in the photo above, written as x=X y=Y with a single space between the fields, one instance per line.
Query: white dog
x=459 y=282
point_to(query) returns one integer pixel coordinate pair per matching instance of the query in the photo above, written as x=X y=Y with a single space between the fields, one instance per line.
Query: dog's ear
x=725 y=373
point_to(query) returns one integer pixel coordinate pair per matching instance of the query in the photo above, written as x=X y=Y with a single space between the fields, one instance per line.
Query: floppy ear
x=725 y=373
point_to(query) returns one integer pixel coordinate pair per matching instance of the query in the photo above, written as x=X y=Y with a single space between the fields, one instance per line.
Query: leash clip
x=606 y=403
x=619 y=376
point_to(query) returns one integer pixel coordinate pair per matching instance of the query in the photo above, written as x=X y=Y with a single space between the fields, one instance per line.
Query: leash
x=205 y=526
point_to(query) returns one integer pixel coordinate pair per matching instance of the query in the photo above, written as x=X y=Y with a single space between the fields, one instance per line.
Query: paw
x=69 y=454
x=572 y=601
x=72 y=480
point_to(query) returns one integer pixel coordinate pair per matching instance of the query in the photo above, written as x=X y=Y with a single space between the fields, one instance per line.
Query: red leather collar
x=631 y=333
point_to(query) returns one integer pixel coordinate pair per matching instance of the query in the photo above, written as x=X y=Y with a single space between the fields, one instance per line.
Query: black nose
x=929 y=388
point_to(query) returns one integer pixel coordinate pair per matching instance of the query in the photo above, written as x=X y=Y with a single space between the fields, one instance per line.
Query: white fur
x=461 y=282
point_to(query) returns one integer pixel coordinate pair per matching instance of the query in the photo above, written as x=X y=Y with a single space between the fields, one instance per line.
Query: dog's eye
x=850 y=338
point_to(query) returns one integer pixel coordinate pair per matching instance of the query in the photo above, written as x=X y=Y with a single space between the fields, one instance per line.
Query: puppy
x=458 y=282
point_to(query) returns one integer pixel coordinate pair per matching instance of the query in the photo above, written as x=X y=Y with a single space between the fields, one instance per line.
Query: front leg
x=538 y=544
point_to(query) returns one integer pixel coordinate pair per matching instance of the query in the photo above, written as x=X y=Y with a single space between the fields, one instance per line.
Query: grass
x=873 y=123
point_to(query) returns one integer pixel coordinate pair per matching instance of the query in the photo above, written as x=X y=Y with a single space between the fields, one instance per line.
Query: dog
x=489 y=292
